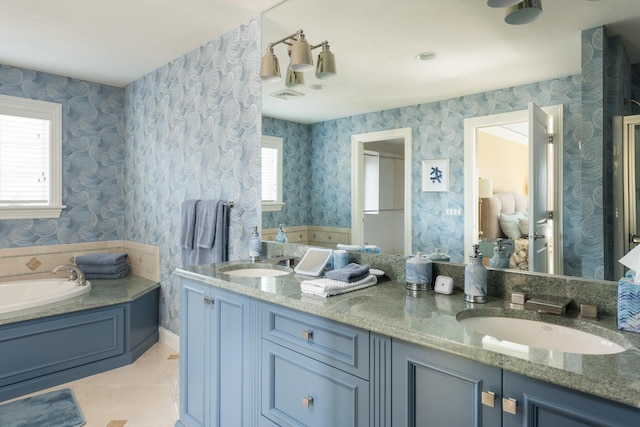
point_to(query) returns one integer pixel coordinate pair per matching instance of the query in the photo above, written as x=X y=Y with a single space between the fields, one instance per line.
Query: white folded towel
x=327 y=287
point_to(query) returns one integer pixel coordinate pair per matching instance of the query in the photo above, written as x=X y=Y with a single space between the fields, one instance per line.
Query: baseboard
x=169 y=339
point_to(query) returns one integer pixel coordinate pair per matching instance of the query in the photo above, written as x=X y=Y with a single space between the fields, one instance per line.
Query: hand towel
x=220 y=251
x=101 y=259
x=206 y=223
x=351 y=273
x=188 y=223
x=103 y=269
x=327 y=287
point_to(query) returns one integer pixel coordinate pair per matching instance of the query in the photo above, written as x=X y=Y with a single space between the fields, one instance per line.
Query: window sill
x=272 y=207
x=30 y=212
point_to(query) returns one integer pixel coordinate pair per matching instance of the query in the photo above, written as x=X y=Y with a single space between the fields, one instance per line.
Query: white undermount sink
x=256 y=272
x=541 y=335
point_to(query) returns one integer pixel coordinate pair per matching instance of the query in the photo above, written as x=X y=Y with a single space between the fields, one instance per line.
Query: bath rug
x=54 y=409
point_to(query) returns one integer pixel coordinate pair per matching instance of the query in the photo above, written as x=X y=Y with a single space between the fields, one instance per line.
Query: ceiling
x=375 y=43
x=118 y=41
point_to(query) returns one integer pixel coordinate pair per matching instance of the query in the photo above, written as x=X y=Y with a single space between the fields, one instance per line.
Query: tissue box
x=628 y=305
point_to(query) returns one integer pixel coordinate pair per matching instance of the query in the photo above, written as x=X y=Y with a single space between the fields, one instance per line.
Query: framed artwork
x=435 y=175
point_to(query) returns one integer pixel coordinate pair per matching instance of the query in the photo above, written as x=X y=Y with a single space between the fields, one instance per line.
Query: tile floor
x=143 y=394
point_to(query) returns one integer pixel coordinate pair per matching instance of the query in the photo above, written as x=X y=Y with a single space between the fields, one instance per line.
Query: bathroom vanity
x=257 y=352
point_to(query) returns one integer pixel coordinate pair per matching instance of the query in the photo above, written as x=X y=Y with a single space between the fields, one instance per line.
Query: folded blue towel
x=188 y=223
x=351 y=273
x=101 y=259
x=107 y=276
x=103 y=269
x=206 y=223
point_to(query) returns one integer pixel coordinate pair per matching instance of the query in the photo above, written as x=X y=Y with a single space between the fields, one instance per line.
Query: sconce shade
x=524 y=12
x=294 y=78
x=326 y=67
x=301 y=57
x=270 y=67
x=485 y=188
x=502 y=3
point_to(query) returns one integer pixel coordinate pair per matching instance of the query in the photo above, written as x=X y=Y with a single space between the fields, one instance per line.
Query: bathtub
x=23 y=294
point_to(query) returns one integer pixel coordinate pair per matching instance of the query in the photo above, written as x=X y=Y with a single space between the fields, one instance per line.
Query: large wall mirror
x=428 y=67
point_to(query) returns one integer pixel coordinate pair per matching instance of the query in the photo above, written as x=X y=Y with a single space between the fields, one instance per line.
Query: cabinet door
x=231 y=366
x=547 y=405
x=195 y=342
x=432 y=388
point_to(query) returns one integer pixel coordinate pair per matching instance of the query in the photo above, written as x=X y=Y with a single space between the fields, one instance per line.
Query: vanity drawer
x=333 y=343
x=299 y=391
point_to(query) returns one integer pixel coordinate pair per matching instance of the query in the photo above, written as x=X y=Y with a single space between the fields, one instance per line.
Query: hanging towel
x=327 y=287
x=219 y=250
x=101 y=259
x=351 y=273
x=188 y=223
x=206 y=223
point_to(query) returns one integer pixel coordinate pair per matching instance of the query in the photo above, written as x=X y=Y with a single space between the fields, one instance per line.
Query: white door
x=538 y=190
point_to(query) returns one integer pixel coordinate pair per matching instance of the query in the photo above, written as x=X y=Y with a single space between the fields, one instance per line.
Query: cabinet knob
x=307 y=401
x=509 y=405
x=307 y=335
x=488 y=398
x=208 y=300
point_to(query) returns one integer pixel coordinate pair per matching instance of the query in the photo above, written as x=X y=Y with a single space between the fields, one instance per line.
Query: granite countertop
x=430 y=320
x=103 y=293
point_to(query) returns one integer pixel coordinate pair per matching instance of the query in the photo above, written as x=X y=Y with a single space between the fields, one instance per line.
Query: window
x=271 y=173
x=30 y=158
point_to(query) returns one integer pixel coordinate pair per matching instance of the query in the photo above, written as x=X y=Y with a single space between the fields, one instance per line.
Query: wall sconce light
x=301 y=60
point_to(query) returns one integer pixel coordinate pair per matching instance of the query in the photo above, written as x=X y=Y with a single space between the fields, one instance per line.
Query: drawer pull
x=488 y=398
x=307 y=401
x=307 y=335
x=509 y=405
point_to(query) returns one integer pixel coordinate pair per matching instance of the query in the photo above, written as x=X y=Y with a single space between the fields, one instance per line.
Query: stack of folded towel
x=103 y=265
x=340 y=281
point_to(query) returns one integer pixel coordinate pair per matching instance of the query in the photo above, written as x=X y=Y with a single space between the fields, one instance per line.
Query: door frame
x=357 y=181
x=471 y=126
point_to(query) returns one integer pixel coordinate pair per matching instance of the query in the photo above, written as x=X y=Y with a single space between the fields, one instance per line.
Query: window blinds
x=269 y=174
x=24 y=160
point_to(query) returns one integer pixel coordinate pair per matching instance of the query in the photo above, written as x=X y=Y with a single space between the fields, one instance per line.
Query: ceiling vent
x=287 y=94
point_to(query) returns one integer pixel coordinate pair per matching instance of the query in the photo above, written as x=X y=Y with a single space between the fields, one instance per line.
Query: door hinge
x=550 y=138
x=550 y=215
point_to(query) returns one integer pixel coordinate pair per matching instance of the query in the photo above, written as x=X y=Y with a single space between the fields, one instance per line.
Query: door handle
x=634 y=239
x=488 y=398
x=509 y=405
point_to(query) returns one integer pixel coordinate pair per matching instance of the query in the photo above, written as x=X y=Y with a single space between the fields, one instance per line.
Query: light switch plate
x=443 y=285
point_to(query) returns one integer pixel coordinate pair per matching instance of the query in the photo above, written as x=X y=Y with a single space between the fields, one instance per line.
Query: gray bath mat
x=54 y=409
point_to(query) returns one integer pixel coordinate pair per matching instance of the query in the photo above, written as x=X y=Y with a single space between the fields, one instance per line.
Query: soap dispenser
x=499 y=259
x=255 y=246
x=475 y=278
x=281 y=237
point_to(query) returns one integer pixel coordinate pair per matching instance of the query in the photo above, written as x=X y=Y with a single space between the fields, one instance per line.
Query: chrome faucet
x=76 y=273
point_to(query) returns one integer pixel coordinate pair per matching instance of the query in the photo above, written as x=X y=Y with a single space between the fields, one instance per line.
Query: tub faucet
x=76 y=273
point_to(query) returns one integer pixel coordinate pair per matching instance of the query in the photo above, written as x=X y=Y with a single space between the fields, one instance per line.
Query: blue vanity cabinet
x=540 y=404
x=215 y=367
x=315 y=372
x=434 y=388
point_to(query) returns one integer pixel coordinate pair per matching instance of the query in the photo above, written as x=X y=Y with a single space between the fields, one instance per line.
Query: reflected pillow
x=523 y=224
x=510 y=225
